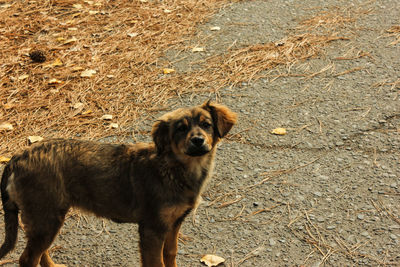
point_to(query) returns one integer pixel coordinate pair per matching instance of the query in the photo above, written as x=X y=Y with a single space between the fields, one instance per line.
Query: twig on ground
x=251 y=254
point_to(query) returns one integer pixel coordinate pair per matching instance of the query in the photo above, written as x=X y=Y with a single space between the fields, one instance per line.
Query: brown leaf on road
x=279 y=131
x=212 y=260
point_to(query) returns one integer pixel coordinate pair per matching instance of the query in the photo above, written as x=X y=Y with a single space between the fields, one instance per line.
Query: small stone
x=339 y=143
x=330 y=227
x=360 y=216
x=352 y=239
x=318 y=194
x=393 y=236
x=365 y=234
x=300 y=198
x=272 y=242
x=317 y=264
x=255 y=204
x=323 y=177
x=239 y=168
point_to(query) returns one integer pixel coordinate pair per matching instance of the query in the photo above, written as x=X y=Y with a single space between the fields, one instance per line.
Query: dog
x=153 y=184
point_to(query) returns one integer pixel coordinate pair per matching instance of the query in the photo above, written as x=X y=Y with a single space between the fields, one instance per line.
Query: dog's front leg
x=171 y=246
x=151 y=246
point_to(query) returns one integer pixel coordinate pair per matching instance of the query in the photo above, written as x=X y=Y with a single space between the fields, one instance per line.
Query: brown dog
x=155 y=185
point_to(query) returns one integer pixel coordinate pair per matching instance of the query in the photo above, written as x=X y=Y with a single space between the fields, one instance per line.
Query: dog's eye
x=205 y=125
x=182 y=128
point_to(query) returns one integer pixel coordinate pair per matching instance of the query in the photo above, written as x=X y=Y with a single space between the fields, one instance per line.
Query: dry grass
x=122 y=42
x=394 y=32
x=126 y=50
x=327 y=243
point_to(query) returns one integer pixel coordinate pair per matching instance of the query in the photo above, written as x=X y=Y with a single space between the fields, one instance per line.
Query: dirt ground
x=325 y=194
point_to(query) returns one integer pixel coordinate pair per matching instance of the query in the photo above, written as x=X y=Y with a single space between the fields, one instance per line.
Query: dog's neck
x=194 y=172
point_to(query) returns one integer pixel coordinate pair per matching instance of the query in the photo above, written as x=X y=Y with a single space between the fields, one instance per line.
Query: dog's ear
x=222 y=116
x=160 y=134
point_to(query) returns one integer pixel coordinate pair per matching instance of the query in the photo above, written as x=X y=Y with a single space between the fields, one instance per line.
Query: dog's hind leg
x=46 y=261
x=40 y=232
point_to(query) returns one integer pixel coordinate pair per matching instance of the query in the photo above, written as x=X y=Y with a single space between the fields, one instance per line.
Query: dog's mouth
x=197 y=151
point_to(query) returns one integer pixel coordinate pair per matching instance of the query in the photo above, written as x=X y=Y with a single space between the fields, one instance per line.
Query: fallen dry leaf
x=279 y=131
x=114 y=125
x=56 y=63
x=78 y=105
x=4 y=159
x=34 y=138
x=107 y=117
x=77 y=68
x=6 y=126
x=71 y=40
x=133 y=34
x=55 y=81
x=167 y=71
x=8 y=106
x=86 y=112
x=198 y=49
x=88 y=73
x=5 y=6
x=23 y=77
x=212 y=260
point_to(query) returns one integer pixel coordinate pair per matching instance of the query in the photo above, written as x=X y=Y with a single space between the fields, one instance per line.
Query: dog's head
x=194 y=131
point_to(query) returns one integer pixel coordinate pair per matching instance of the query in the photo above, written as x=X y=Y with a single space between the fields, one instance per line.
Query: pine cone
x=37 y=56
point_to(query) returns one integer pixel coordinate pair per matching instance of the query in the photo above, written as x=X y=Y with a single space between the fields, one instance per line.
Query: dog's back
x=92 y=176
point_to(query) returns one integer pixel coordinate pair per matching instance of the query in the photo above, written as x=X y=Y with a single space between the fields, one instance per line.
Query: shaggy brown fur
x=153 y=184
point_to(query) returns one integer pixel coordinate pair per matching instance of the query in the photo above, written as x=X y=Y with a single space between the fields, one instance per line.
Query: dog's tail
x=10 y=213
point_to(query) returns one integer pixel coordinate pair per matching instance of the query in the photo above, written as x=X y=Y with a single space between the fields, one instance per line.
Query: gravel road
x=325 y=194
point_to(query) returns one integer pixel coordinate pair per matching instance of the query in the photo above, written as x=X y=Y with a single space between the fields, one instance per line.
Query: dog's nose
x=197 y=141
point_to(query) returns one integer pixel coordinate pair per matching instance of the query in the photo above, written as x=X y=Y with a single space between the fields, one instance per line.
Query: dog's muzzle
x=197 y=147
